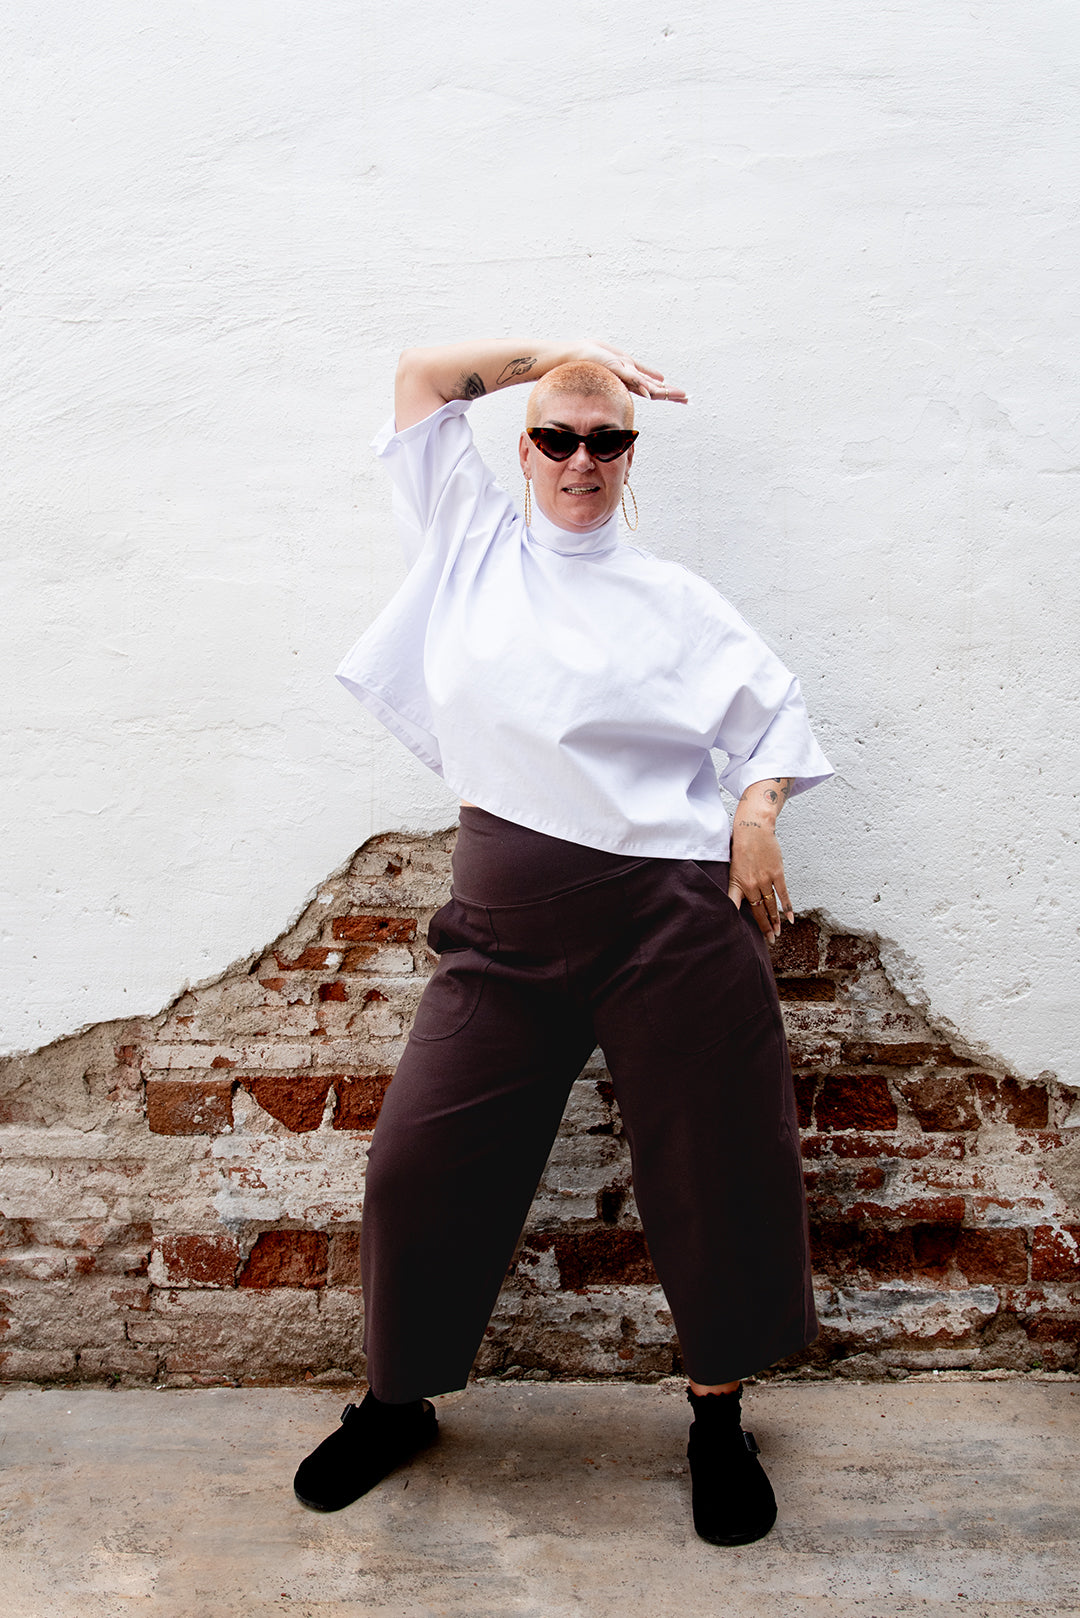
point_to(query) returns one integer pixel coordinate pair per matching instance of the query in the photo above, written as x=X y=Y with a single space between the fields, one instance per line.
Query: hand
x=757 y=873
x=640 y=379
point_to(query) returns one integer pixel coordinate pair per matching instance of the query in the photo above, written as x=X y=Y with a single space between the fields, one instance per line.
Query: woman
x=570 y=687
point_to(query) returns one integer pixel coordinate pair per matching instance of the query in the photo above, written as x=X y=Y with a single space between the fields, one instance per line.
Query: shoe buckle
x=345 y=1412
x=751 y=1443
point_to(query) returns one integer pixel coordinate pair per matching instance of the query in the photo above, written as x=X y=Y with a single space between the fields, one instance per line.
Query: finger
x=669 y=395
x=759 y=911
x=782 y=895
x=735 y=894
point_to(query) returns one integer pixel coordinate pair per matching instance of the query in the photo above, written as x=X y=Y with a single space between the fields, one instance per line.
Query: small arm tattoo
x=785 y=783
x=514 y=369
x=756 y=824
x=471 y=387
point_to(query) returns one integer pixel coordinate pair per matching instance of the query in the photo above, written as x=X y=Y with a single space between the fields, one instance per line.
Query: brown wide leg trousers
x=548 y=949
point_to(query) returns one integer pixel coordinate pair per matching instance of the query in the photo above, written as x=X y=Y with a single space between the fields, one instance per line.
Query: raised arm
x=428 y=378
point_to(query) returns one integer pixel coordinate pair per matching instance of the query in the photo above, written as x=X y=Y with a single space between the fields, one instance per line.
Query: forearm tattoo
x=470 y=387
x=755 y=824
x=514 y=369
x=785 y=784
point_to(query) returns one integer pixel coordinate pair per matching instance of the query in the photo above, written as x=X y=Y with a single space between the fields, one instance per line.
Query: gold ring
x=757 y=902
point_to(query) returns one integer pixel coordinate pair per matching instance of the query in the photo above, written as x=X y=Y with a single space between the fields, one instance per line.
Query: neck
x=574 y=541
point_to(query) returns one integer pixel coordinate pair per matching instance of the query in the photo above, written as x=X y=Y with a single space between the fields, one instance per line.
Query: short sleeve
x=765 y=729
x=784 y=746
x=443 y=492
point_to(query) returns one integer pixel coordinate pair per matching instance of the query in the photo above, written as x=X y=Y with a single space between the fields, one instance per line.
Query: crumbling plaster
x=850 y=231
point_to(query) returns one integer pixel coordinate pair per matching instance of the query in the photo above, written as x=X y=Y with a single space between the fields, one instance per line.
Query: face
x=579 y=494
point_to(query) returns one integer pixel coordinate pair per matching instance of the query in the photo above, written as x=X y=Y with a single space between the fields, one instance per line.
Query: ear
x=630 y=459
x=524 y=446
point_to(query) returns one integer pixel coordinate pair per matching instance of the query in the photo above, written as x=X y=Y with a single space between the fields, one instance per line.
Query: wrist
x=753 y=821
x=753 y=814
x=767 y=797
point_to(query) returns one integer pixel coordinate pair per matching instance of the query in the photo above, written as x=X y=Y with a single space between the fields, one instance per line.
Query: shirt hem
x=644 y=848
x=409 y=732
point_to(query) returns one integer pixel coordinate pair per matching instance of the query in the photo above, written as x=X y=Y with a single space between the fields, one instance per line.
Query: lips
x=581 y=488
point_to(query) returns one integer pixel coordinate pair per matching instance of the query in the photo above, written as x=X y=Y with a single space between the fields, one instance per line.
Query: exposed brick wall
x=182 y=1194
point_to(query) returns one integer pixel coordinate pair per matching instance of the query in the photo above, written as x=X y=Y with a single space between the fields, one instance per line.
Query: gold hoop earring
x=528 y=502
x=627 y=490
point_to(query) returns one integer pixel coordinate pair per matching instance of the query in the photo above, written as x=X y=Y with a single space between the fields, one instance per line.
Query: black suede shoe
x=733 y=1499
x=372 y=1440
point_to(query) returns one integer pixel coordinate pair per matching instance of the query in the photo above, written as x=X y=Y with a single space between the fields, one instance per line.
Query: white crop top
x=569 y=682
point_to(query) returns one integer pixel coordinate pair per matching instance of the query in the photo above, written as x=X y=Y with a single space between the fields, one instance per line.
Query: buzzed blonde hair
x=586 y=379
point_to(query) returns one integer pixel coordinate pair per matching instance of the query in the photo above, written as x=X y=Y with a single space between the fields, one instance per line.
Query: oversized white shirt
x=569 y=682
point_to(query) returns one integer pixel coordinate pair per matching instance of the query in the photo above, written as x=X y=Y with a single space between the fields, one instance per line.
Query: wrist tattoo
x=754 y=823
x=785 y=783
x=514 y=369
x=471 y=387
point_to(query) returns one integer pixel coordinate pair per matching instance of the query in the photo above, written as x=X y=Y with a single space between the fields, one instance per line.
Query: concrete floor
x=543 y=1501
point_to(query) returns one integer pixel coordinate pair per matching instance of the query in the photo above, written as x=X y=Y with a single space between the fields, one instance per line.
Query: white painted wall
x=851 y=230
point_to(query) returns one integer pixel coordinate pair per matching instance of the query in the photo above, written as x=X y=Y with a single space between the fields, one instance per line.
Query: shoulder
x=679 y=582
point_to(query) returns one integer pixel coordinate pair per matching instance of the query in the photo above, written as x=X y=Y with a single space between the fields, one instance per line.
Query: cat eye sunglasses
x=605 y=444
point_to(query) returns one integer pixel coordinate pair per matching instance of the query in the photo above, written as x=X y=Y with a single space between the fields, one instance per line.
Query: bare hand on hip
x=757 y=866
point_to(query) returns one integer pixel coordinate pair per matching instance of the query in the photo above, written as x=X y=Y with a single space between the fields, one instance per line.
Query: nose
x=581 y=460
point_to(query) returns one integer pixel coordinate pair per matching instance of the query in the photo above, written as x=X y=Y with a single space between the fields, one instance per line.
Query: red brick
x=988 y=1257
x=375 y=929
x=1046 y=1140
x=843 y=1248
x=275 y=985
x=805 y=1086
x=127 y=1055
x=202 y=1261
x=1030 y=1300
x=846 y=953
x=359 y=1099
x=806 y=988
x=797 y=949
x=359 y=957
x=905 y=1053
x=1053 y=1329
x=296 y=1102
x=935 y=1210
x=137 y=1298
x=1027 y=1106
x=940 y=1101
x=312 y=959
x=988 y=1210
x=855 y=1101
x=343 y=1269
x=223 y=1061
x=333 y=991
x=188 y=1106
x=599 y=1258
x=1055 y=1254
x=286 y=1258
x=934 y=1249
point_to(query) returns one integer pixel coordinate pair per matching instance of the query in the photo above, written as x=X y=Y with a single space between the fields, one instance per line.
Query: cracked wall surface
x=848 y=230
x=183 y=1194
